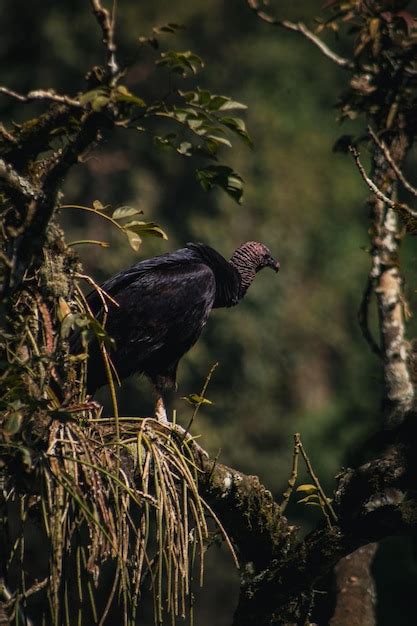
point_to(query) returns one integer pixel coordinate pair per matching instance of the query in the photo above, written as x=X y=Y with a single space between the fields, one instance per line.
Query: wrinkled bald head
x=249 y=259
x=254 y=255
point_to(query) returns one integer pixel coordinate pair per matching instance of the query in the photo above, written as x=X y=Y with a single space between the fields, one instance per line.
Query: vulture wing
x=226 y=276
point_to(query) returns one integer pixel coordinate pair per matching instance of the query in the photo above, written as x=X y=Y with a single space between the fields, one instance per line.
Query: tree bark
x=355 y=589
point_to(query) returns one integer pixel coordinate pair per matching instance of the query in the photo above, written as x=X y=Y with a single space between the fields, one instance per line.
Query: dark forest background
x=291 y=356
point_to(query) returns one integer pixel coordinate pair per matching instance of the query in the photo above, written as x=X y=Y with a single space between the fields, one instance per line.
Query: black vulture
x=163 y=305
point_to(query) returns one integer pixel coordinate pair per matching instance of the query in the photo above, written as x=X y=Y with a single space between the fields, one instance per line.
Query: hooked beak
x=275 y=265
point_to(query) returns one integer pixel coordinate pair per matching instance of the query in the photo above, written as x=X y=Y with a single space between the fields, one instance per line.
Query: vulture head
x=250 y=258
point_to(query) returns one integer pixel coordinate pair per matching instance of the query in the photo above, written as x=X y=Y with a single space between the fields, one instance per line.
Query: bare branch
x=301 y=28
x=294 y=473
x=7 y=135
x=106 y=24
x=387 y=154
x=41 y=94
x=399 y=207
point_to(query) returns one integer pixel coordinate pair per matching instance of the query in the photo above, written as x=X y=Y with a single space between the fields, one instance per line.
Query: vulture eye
x=271 y=262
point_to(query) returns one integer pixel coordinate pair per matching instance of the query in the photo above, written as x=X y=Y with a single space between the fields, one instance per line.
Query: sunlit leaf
x=307 y=488
x=99 y=103
x=222 y=140
x=146 y=229
x=122 y=94
x=89 y=96
x=194 y=399
x=125 y=211
x=134 y=239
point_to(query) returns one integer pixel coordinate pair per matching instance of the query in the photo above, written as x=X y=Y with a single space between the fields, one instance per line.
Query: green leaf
x=221 y=176
x=232 y=105
x=220 y=140
x=237 y=126
x=122 y=94
x=146 y=229
x=125 y=211
x=89 y=96
x=181 y=62
x=194 y=399
x=134 y=239
x=99 y=103
x=307 y=488
x=211 y=102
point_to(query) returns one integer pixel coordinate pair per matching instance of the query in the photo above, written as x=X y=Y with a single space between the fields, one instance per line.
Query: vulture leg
x=160 y=410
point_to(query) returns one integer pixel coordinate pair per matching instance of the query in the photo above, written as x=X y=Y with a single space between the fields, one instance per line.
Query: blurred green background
x=291 y=356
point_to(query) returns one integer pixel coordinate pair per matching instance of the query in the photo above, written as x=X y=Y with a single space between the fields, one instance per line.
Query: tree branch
x=387 y=154
x=400 y=207
x=301 y=28
x=387 y=284
x=106 y=24
x=41 y=94
x=30 y=244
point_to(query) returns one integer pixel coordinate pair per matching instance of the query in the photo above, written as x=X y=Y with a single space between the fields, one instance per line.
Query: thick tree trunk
x=355 y=589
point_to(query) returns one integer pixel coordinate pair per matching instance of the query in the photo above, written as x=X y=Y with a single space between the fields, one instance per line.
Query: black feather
x=163 y=305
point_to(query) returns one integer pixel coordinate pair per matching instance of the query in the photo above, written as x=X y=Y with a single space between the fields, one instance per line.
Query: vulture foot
x=160 y=411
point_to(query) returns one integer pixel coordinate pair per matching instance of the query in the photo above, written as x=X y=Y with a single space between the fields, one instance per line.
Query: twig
x=7 y=135
x=101 y=292
x=387 y=154
x=106 y=24
x=400 y=207
x=294 y=473
x=326 y=503
x=197 y=406
x=363 y=317
x=301 y=28
x=41 y=94
x=35 y=588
